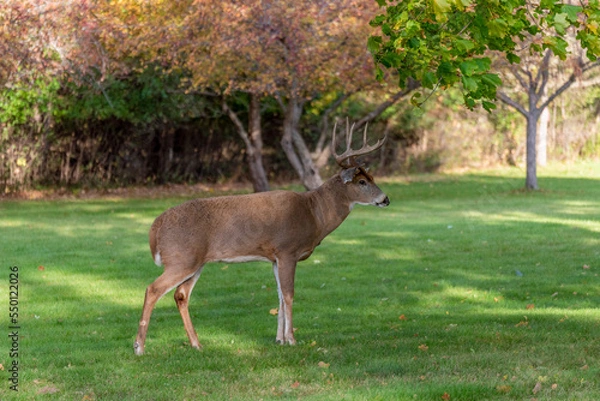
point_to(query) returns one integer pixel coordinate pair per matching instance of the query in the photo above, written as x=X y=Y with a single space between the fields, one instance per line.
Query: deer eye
x=362 y=182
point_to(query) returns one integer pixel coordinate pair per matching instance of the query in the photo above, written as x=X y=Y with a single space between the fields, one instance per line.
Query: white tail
x=281 y=227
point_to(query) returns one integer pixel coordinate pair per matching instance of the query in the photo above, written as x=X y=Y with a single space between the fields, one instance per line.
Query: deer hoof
x=138 y=349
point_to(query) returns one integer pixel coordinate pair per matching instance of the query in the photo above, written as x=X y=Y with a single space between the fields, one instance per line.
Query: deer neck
x=331 y=205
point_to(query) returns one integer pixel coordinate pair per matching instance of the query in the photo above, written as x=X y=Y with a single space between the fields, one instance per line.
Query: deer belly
x=242 y=259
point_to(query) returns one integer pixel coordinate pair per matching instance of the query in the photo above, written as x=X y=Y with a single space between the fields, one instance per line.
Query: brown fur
x=282 y=227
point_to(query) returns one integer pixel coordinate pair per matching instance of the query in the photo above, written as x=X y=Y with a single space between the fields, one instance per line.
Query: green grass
x=466 y=286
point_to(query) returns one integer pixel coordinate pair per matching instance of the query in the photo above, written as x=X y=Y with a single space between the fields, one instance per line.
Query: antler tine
x=349 y=130
x=347 y=158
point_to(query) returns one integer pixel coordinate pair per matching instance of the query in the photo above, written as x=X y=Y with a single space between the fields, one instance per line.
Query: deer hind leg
x=163 y=284
x=284 y=275
x=182 y=298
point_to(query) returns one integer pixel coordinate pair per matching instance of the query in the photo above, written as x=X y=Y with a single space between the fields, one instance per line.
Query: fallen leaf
x=554 y=386
x=585 y=367
x=295 y=384
x=402 y=317
x=504 y=389
x=555 y=294
x=522 y=323
x=446 y=396
x=274 y=312
x=423 y=347
x=323 y=365
x=586 y=267
x=530 y=306
x=1 y=367
x=537 y=388
x=41 y=268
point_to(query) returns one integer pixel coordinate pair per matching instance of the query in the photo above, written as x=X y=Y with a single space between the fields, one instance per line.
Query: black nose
x=385 y=202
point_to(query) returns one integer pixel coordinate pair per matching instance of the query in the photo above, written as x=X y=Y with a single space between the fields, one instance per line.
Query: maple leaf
x=402 y=317
x=323 y=365
x=423 y=347
x=530 y=306
x=274 y=311
x=295 y=384
x=537 y=388
x=446 y=396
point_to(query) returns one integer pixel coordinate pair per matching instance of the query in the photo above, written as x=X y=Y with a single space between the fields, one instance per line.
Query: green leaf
x=491 y=79
x=378 y=73
x=378 y=20
x=560 y=23
x=441 y=8
x=447 y=73
x=468 y=67
x=489 y=106
x=513 y=58
x=391 y=60
x=381 y=3
x=572 y=12
x=429 y=80
x=498 y=27
x=414 y=99
x=469 y=83
x=557 y=44
x=464 y=46
x=374 y=44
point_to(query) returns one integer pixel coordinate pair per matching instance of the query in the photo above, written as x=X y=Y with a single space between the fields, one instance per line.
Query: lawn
x=465 y=288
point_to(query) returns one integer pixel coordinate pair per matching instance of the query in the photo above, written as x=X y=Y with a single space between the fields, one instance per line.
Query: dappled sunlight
x=532 y=217
x=459 y=287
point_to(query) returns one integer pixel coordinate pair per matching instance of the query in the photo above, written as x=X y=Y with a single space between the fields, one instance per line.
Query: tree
x=533 y=77
x=291 y=52
x=443 y=43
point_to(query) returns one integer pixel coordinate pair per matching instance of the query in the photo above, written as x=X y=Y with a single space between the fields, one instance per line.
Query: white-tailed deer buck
x=280 y=227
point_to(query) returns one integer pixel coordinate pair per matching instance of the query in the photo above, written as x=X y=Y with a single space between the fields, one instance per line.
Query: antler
x=348 y=158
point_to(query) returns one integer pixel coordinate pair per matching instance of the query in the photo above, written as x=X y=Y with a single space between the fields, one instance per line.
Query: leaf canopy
x=444 y=42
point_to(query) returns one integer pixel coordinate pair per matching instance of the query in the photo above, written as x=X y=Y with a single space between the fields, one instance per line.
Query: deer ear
x=348 y=174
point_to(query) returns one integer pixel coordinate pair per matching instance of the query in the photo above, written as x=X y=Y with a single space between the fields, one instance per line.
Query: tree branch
x=506 y=99
x=542 y=74
x=568 y=84
x=412 y=85
x=240 y=126
x=517 y=75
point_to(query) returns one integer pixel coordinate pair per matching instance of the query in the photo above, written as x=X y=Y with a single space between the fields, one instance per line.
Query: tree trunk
x=255 y=160
x=294 y=146
x=253 y=142
x=542 y=144
x=531 y=179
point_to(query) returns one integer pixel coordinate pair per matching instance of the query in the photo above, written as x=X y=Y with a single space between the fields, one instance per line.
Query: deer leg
x=284 y=275
x=163 y=284
x=182 y=298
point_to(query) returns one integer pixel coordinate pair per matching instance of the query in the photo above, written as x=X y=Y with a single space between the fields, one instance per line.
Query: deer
x=280 y=227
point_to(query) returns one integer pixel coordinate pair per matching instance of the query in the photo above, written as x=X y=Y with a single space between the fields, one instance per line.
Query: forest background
x=116 y=93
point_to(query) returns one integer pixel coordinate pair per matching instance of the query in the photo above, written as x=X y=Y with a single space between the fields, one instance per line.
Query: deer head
x=363 y=188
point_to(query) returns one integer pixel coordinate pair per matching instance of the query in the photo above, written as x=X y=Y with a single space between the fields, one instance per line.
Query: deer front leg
x=284 y=275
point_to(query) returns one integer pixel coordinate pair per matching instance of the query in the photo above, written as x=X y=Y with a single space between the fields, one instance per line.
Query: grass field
x=465 y=288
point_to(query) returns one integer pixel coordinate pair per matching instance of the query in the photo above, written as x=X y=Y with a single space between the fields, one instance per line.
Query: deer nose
x=384 y=202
